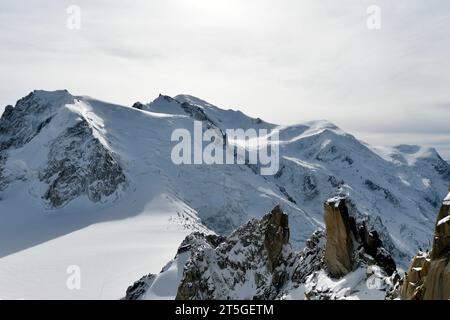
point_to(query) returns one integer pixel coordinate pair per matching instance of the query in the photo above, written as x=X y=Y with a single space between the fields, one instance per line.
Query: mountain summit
x=87 y=178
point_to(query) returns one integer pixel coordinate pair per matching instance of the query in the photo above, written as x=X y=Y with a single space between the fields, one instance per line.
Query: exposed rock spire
x=428 y=277
x=339 y=247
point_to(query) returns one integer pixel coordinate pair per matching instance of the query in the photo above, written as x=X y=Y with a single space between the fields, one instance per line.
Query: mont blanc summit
x=90 y=183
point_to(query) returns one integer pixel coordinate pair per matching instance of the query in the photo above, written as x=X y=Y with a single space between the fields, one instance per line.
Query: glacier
x=91 y=183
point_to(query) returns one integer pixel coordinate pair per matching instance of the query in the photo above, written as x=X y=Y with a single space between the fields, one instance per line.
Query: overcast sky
x=286 y=61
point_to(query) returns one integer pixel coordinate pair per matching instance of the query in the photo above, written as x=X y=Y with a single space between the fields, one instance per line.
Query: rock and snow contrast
x=89 y=183
x=257 y=261
x=428 y=277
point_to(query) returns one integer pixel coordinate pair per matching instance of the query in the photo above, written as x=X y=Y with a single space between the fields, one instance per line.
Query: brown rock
x=428 y=277
x=441 y=240
x=276 y=235
x=413 y=283
x=339 y=246
x=437 y=282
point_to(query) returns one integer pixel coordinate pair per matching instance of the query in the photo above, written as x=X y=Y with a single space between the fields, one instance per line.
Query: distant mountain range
x=90 y=183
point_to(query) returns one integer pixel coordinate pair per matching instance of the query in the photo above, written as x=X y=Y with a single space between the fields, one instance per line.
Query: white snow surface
x=361 y=284
x=138 y=229
x=447 y=200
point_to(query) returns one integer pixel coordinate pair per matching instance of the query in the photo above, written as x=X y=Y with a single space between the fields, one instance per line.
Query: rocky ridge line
x=257 y=261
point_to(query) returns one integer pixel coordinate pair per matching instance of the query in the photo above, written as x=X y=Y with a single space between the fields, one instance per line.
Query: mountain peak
x=39 y=101
x=163 y=104
x=193 y=100
x=50 y=93
x=55 y=97
x=322 y=124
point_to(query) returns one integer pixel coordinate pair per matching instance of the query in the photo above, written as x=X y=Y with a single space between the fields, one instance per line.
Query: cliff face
x=428 y=277
x=349 y=242
x=78 y=162
x=254 y=256
x=339 y=247
x=257 y=262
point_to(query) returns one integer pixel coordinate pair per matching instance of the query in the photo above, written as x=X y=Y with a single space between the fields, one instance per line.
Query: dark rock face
x=428 y=277
x=387 y=194
x=79 y=164
x=3 y=181
x=20 y=124
x=310 y=259
x=31 y=114
x=310 y=187
x=442 y=167
x=257 y=262
x=137 y=289
x=255 y=248
x=195 y=112
x=138 y=105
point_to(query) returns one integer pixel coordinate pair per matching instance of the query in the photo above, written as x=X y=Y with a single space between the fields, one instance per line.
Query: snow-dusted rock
x=247 y=265
x=396 y=187
x=123 y=154
x=138 y=289
x=349 y=240
x=258 y=262
x=428 y=277
x=31 y=114
x=79 y=164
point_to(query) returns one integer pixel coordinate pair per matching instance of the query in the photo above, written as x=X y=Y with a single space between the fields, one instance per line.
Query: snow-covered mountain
x=88 y=183
x=257 y=261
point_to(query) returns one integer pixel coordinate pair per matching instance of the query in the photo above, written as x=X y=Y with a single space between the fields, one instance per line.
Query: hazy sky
x=286 y=61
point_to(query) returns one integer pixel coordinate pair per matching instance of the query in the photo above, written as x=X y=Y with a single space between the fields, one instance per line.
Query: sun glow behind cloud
x=284 y=61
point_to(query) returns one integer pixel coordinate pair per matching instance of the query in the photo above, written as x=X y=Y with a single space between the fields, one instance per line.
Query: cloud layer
x=284 y=61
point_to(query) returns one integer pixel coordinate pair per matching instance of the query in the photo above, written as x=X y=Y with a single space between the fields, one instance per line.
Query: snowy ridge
x=70 y=165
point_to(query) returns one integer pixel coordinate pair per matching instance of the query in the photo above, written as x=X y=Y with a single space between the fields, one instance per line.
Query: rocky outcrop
x=428 y=277
x=442 y=167
x=31 y=114
x=339 y=247
x=137 y=289
x=257 y=261
x=20 y=124
x=249 y=257
x=138 y=105
x=441 y=240
x=349 y=242
x=79 y=164
x=3 y=182
x=276 y=236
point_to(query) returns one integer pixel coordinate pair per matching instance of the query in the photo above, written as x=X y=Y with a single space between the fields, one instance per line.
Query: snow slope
x=398 y=187
x=110 y=256
x=115 y=226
